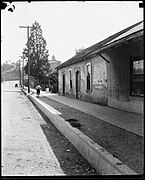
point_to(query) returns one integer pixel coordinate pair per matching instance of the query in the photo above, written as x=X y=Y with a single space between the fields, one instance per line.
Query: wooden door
x=63 y=88
x=77 y=83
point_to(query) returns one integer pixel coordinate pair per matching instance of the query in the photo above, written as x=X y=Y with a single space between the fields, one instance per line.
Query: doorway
x=63 y=86
x=77 y=84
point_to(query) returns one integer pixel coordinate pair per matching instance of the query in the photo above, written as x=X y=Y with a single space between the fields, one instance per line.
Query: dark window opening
x=88 y=83
x=137 y=77
x=70 y=84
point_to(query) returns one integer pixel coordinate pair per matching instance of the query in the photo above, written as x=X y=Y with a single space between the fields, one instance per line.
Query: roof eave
x=113 y=44
x=103 y=47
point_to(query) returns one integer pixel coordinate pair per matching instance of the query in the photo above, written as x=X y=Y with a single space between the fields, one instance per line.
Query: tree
x=53 y=81
x=39 y=66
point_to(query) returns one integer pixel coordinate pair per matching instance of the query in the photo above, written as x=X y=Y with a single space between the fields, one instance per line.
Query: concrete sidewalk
x=129 y=121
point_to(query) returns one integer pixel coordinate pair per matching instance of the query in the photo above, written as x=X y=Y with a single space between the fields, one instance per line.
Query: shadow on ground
x=124 y=145
x=71 y=161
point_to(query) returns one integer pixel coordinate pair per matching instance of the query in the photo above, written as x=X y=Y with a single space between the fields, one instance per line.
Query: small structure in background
x=54 y=63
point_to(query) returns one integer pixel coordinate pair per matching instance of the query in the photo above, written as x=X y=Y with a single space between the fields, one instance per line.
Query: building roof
x=96 y=48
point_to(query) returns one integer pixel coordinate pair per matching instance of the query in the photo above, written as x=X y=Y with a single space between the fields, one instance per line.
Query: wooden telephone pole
x=20 y=73
x=22 y=70
x=28 y=55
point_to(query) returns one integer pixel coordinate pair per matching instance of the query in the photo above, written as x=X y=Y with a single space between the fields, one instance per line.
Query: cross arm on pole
x=26 y=27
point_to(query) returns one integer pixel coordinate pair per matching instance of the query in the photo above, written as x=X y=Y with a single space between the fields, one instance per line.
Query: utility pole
x=37 y=53
x=28 y=55
x=20 y=72
x=23 y=71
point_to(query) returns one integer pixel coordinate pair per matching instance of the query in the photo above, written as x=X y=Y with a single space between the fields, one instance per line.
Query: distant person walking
x=38 y=87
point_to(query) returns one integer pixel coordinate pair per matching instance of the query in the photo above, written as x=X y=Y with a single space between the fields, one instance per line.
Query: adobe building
x=110 y=72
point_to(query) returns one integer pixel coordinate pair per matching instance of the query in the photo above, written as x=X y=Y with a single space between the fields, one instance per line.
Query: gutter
x=98 y=157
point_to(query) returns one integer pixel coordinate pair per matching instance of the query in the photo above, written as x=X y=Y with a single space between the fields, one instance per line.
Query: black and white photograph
x=72 y=89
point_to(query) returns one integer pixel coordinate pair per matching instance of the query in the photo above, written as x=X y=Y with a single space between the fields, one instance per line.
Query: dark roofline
x=119 y=41
x=83 y=54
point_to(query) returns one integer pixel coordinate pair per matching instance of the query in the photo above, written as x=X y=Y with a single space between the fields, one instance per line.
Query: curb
x=99 y=158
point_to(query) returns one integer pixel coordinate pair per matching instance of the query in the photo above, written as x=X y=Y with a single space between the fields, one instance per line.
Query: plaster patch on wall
x=100 y=75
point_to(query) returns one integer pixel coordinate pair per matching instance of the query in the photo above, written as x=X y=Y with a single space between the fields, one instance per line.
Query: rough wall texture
x=119 y=77
x=110 y=82
x=98 y=93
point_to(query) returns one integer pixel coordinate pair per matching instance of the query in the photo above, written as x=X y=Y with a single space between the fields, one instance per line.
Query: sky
x=66 y=25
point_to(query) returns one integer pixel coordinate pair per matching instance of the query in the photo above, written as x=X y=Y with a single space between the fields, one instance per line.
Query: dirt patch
x=127 y=147
x=71 y=161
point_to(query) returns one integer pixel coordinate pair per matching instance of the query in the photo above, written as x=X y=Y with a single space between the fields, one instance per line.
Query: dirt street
x=26 y=150
x=23 y=143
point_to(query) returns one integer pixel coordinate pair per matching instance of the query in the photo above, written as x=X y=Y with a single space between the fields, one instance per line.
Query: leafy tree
x=39 y=66
x=53 y=82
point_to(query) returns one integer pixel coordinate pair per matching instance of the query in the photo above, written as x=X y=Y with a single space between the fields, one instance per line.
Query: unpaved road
x=26 y=150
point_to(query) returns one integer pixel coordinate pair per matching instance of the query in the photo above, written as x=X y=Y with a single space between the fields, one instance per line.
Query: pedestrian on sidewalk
x=38 y=87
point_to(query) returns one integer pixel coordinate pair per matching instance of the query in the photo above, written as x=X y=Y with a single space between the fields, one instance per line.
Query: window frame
x=70 y=79
x=86 y=77
x=133 y=76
